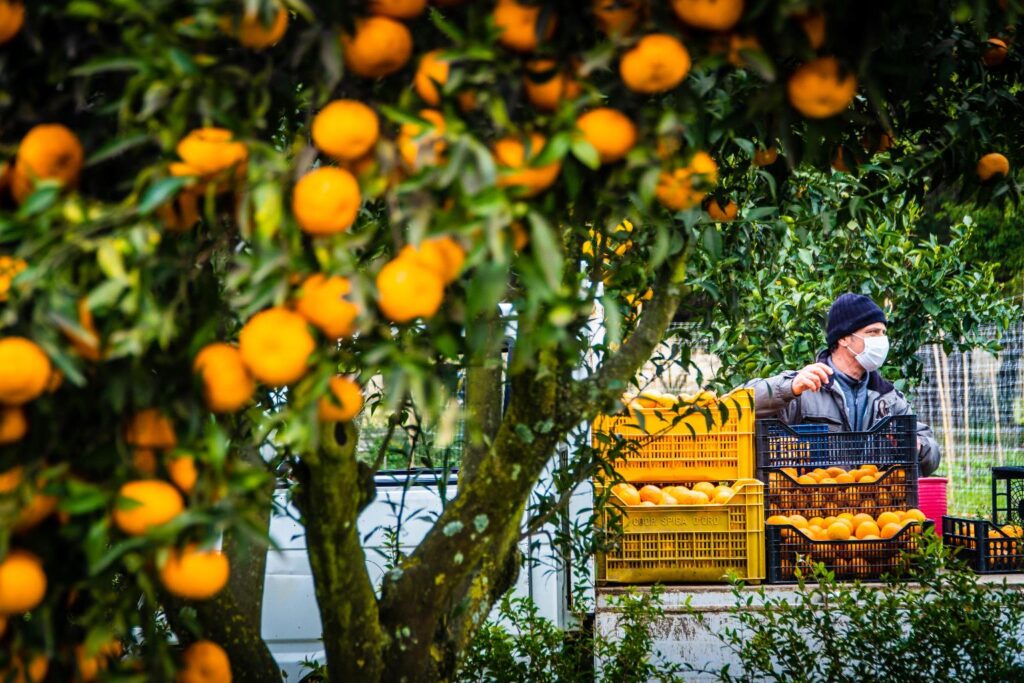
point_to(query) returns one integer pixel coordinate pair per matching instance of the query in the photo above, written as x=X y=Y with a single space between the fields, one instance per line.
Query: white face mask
x=874 y=353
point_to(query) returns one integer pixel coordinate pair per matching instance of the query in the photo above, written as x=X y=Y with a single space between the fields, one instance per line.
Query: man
x=844 y=389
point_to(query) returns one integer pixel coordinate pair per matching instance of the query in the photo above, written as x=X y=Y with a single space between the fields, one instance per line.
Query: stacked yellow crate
x=690 y=511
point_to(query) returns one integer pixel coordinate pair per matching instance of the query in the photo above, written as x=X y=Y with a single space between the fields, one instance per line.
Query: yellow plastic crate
x=689 y=543
x=715 y=443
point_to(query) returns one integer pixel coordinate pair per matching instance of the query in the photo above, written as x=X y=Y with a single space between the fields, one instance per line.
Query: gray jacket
x=773 y=397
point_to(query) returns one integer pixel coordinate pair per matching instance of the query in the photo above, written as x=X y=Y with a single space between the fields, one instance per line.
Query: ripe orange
x=658 y=62
x=817 y=521
x=685 y=187
x=995 y=52
x=868 y=528
x=667 y=498
x=89 y=667
x=47 y=152
x=651 y=493
x=518 y=25
x=720 y=214
x=627 y=493
x=860 y=518
x=181 y=469
x=204 y=662
x=9 y=268
x=10 y=479
x=723 y=495
x=253 y=33
x=380 y=47
x=805 y=479
x=813 y=24
x=322 y=302
x=22 y=582
x=420 y=145
x=345 y=129
x=887 y=518
x=227 y=384
x=276 y=345
x=834 y=471
x=13 y=425
x=838 y=531
x=208 y=151
x=610 y=131
x=646 y=504
x=150 y=428
x=18 y=672
x=154 y=503
x=12 y=16
x=443 y=255
x=195 y=574
x=766 y=157
x=398 y=9
x=712 y=15
x=26 y=370
x=870 y=469
x=516 y=165
x=547 y=85
x=818 y=90
x=845 y=478
x=867 y=479
x=705 y=487
x=799 y=521
x=39 y=507
x=699 y=498
x=326 y=201
x=890 y=529
x=913 y=514
x=777 y=519
x=991 y=165
x=431 y=74
x=617 y=17
x=407 y=290
x=343 y=403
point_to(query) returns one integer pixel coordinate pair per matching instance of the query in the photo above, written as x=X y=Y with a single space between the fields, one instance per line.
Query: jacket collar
x=876 y=382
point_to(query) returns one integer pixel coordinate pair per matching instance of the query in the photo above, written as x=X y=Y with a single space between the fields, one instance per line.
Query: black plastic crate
x=986 y=547
x=893 y=441
x=894 y=489
x=789 y=549
x=1008 y=495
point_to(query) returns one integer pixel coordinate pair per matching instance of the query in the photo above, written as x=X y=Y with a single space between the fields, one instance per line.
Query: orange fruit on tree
x=380 y=47
x=838 y=531
x=39 y=507
x=33 y=672
x=443 y=255
x=420 y=145
x=227 y=383
x=765 y=157
x=345 y=129
x=89 y=666
x=407 y=290
x=343 y=402
x=611 y=132
x=515 y=157
x=431 y=74
x=995 y=52
x=10 y=479
x=658 y=62
x=685 y=187
x=195 y=574
x=12 y=16
x=617 y=17
x=712 y=15
x=47 y=152
x=151 y=502
x=322 y=302
x=991 y=165
x=150 y=428
x=10 y=268
x=398 y=9
x=144 y=460
x=276 y=345
x=181 y=469
x=627 y=493
x=22 y=582
x=13 y=425
x=813 y=24
x=326 y=201
x=85 y=341
x=651 y=493
x=208 y=151
x=547 y=84
x=890 y=529
x=739 y=46
x=819 y=89
x=252 y=32
x=719 y=213
x=518 y=24
x=204 y=662
x=26 y=370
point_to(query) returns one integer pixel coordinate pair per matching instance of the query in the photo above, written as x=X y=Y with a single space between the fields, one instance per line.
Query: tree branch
x=484 y=394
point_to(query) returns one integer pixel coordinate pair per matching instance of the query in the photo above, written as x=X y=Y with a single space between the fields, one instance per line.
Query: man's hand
x=812 y=377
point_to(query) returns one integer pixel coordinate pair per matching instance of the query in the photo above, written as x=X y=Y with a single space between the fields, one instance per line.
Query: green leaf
x=554 y=151
x=45 y=196
x=547 y=252
x=118 y=146
x=106 y=64
x=586 y=153
x=159 y=193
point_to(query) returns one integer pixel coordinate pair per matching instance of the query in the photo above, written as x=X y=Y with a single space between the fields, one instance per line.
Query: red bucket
x=931 y=498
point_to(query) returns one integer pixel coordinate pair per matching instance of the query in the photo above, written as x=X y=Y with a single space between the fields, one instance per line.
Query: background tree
x=221 y=218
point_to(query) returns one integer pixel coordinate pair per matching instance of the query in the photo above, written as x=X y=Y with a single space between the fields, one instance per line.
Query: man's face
x=854 y=343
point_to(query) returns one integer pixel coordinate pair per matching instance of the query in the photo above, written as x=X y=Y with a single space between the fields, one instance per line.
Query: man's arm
x=773 y=396
x=928 y=454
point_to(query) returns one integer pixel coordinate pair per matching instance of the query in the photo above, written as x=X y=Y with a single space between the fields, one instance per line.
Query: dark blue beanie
x=849 y=313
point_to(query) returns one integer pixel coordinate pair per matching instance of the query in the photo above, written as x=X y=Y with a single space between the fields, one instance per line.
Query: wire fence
x=975 y=403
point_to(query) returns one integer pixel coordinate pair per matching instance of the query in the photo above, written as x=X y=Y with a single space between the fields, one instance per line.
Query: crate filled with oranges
x=678 y=439
x=851 y=545
x=986 y=547
x=684 y=533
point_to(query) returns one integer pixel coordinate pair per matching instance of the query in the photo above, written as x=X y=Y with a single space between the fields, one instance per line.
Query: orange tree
x=221 y=219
